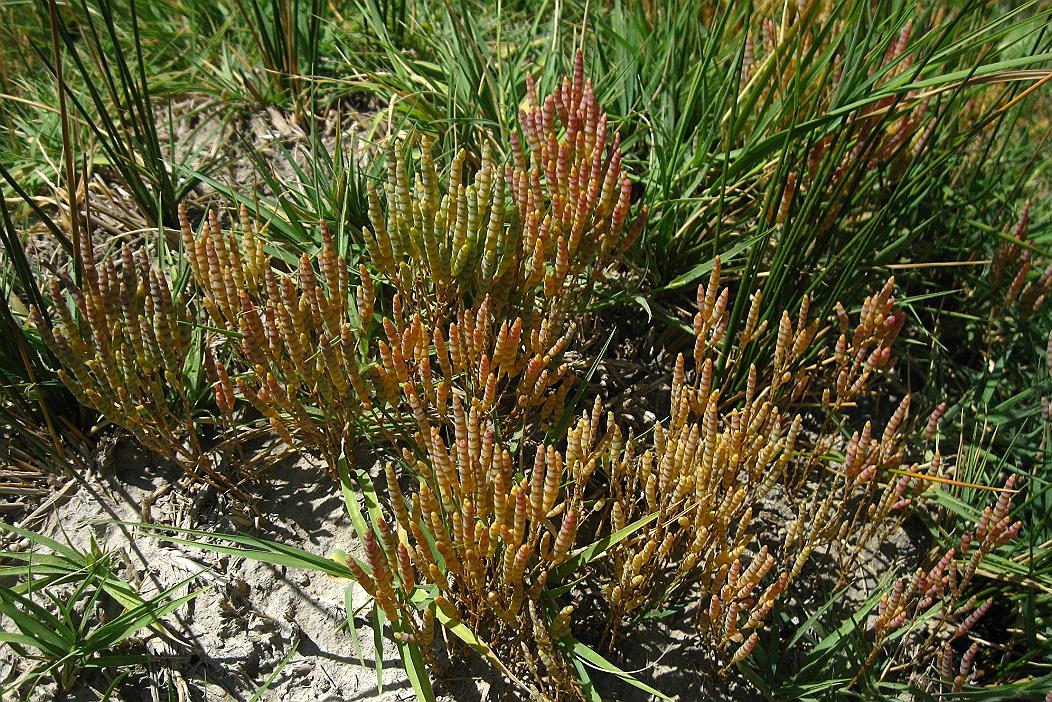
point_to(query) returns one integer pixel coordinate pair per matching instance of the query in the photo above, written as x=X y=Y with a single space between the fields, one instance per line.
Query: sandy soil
x=228 y=641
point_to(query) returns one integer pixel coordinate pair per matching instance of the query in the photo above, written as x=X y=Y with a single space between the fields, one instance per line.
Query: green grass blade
x=587 y=554
x=416 y=670
x=589 y=657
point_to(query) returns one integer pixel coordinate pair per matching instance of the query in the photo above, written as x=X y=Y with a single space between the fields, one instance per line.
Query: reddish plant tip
x=932 y=425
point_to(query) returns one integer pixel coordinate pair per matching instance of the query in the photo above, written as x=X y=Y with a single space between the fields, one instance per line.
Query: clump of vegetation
x=123 y=340
x=710 y=470
x=435 y=309
x=60 y=605
x=293 y=340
